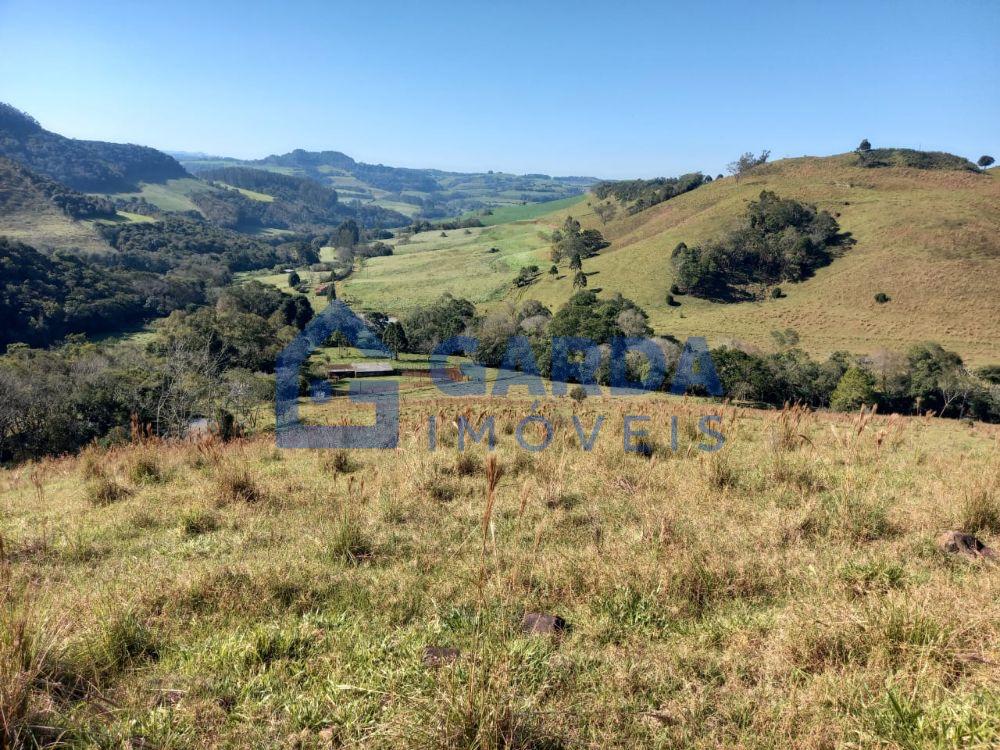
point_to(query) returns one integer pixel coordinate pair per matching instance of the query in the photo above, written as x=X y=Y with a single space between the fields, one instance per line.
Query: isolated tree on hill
x=348 y=234
x=605 y=212
x=747 y=162
x=553 y=271
x=985 y=161
x=576 y=263
x=864 y=146
x=580 y=280
x=293 y=279
x=395 y=338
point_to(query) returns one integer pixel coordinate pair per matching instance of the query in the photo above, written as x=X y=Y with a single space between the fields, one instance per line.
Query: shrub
x=644 y=193
x=856 y=388
x=674 y=289
x=913 y=159
x=440 y=489
x=105 y=490
x=340 y=462
x=882 y=298
x=145 y=469
x=578 y=393
x=777 y=293
x=238 y=485
x=468 y=464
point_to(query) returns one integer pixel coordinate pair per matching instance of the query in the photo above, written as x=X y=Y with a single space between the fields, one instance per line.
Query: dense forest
x=298 y=203
x=158 y=267
x=205 y=362
x=275 y=184
x=21 y=189
x=198 y=248
x=45 y=297
x=778 y=239
x=88 y=166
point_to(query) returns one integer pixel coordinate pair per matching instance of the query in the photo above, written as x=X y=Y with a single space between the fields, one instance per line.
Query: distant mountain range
x=307 y=191
x=427 y=193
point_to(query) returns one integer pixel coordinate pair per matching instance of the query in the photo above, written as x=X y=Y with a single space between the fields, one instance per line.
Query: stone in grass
x=960 y=543
x=438 y=656
x=538 y=623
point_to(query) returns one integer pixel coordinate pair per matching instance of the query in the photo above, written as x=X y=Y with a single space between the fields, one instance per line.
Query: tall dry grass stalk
x=27 y=638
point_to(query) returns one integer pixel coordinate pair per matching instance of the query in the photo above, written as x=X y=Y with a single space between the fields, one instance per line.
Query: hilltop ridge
x=87 y=166
x=929 y=239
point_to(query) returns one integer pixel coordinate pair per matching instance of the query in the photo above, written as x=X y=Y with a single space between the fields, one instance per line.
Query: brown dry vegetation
x=785 y=591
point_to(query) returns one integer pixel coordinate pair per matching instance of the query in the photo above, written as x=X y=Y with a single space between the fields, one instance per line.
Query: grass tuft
x=197 y=521
x=237 y=484
x=105 y=490
x=349 y=542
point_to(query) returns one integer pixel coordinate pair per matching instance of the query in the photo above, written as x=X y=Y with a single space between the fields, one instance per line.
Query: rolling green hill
x=927 y=238
x=428 y=193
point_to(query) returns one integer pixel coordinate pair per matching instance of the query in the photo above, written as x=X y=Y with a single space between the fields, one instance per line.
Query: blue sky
x=598 y=88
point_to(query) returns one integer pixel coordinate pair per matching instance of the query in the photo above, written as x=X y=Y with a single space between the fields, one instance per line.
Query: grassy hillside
x=171 y=195
x=30 y=211
x=477 y=263
x=528 y=211
x=930 y=239
x=778 y=593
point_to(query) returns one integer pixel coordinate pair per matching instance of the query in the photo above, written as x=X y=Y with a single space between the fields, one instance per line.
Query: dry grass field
x=786 y=590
